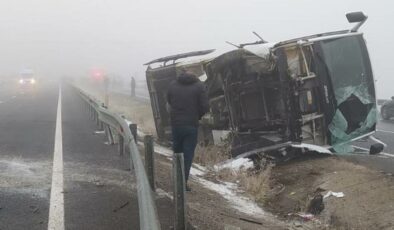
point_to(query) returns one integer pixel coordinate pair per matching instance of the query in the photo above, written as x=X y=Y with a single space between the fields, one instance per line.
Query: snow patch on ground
x=236 y=165
x=163 y=150
x=140 y=133
x=16 y=167
x=24 y=176
x=200 y=167
x=41 y=193
x=100 y=176
x=22 y=168
x=196 y=172
x=230 y=191
x=238 y=202
x=161 y=193
x=99 y=132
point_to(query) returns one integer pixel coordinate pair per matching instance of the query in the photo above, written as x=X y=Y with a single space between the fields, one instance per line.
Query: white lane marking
x=2 y=102
x=5 y=101
x=384 y=131
x=387 y=154
x=56 y=206
x=382 y=153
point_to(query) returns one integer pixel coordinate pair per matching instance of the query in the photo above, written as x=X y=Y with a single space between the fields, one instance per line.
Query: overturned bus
x=315 y=92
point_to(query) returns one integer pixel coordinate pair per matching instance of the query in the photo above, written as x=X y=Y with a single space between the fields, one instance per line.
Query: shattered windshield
x=349 y=70
x=345 y=61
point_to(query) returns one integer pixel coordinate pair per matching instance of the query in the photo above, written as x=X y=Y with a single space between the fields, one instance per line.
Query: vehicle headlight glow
x=21 y=81
x=33 y=81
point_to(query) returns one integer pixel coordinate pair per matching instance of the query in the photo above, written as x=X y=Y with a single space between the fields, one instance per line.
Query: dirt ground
x=368 y=201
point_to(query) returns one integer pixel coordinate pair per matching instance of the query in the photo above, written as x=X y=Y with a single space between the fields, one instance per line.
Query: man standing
x=188 y=102
x=132 y=87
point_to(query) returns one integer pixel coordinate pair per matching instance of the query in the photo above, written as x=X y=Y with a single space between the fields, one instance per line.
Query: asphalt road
x=27 y=126
x=98 y=190
x=383 y=162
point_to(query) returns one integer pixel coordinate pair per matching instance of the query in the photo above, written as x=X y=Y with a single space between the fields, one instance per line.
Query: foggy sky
x=68 y=38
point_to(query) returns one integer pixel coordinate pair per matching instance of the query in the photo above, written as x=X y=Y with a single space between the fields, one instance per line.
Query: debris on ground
x=316 y=205
x=336 y=194
x=121 y=207
x=34 y=208
x=306 y=216
x=97 y=183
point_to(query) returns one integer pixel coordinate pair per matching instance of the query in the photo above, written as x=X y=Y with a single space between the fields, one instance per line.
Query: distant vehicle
x=26 y=77
x=387 y=109
x=313 y=92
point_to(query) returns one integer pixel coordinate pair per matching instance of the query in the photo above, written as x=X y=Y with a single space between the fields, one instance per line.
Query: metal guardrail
x=114 y=124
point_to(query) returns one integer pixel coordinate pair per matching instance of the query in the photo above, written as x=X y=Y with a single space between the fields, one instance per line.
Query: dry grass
x=211 y=155
x=138 y=112
x=257 y=183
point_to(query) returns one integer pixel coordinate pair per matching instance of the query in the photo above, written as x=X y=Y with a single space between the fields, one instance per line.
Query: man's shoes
x=188 y=189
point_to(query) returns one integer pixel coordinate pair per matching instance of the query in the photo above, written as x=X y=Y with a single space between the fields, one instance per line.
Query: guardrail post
x=90 y=112
x=179 y=191
x=120 y=144
x=97 y=119
x=108 y=133
x=106 y=91
x=133 y=129
x=149 y=160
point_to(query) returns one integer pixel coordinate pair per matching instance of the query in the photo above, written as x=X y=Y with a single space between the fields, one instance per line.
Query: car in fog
x=314 y=92
x=387 y=109
x=27 y=78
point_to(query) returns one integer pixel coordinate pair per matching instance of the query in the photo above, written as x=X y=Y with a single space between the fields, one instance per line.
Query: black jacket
x=188 y=100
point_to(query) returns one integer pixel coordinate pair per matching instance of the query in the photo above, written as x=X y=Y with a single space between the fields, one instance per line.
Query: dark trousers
x=184 y=140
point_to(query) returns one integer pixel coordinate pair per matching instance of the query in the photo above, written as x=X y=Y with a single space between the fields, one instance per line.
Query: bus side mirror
x=359 y=17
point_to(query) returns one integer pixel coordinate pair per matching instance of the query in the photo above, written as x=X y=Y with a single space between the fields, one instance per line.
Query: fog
x=69 y=38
